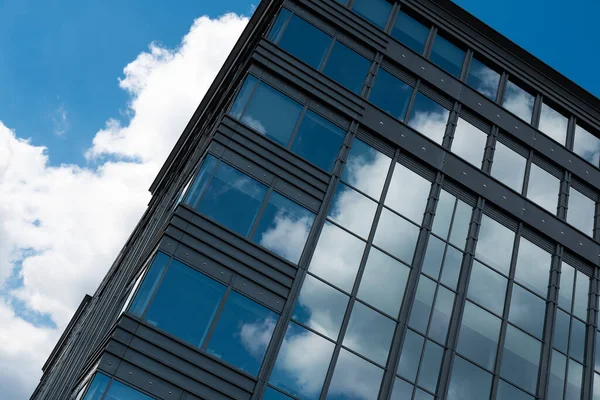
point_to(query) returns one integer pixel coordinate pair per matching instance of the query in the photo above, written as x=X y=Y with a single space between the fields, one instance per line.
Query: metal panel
x=139 y=378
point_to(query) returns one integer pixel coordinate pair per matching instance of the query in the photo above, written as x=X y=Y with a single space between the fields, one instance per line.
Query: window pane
x=478 y=338
x=277 y=27
x=508 y=167
x=391 y=94
x=346 y=67
x=375 y=11
x=577 y=340
x=243 y=332
x=483 y=79
x=460 y=224
x=567 y=282
x=468 y=382
x=451 y=270
x=299 y=32
x=596 y=391
x=272 y=394
x=354 y=378
x=185 y=303
x=533 y=267
x=243 y=96
x=553 y=124
x=443 y=214
x=543 y=188
x=518 y=101
x=561 y=331
x=558 y=369
x=369 y=333
x=507 y=391
x=402 y=390
x=352 y=210
x=337 y=257
x=419 y=316
x=574 y=378
x=487 y=288
x=318 y=141
x=581 y=212
x=422 y=395
x=366 y=169
x=119 y=391
x=411 y=355
x=233 y=199
x=494 y=245
x=410 y=32
x=447 y=56
x=408 y=193
x=201 y=180
x=432 y=263
x=429 y=118
x=520 y=359
x=149 y=285
x=396 y=236
x=97 y=387
x=272 y=113
x=284 y=227
x=302 y=363
x=383 y=282
x=527 y=311
x=430 y=366
x=320 y=307
x=586 y=145
x=442 y=311
x=597 y=359
x=582 y=289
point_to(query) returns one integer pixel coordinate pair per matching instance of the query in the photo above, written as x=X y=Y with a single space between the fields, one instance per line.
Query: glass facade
x=104 y=388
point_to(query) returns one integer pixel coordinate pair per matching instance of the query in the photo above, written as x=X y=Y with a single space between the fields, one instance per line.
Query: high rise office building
x=373 y=200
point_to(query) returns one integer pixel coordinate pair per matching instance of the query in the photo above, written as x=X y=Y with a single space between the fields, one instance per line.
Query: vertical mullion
x=212 y=175
x=160 y=280
x=570 y=133
x=392 y=18
x=451 y=125
x=327 y=54
x=490 y=148
x=527 y=173
x=466 y=65
x=537 y=110
x=215 y=319
x=590 y=342
x=107 y=388
x=563 y=196
x=372 y=75
x=262 y=210
x=297 y=127
x=411 y=102
x=411 y=288
x=429 y=41
x=501 y=88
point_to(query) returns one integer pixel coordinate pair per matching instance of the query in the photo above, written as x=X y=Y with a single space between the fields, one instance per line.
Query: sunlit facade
x=375 y=200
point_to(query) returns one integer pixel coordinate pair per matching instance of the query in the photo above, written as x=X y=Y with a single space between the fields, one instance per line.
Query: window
x=272 y=394
x=508 y=167
x=429 y=118
x=543 y=188
x=103 y=387
x=520 y=359
x=469 y=142
x=374 y=11
x=277 y=28
x=205 y=313
x=347 y=67
x=447 y=56
x=518 y=101
x=494 y=245
x=391 y=94
x=483 y=79
x=282 y=120
x=235 y=200
x=581 y=212
x=553 y=124
x=587 y=145
x=410 y=32
x=478 y=336
x=468 y=382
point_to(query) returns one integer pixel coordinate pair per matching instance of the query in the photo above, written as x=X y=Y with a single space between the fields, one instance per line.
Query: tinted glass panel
x=543 y=188
x=451 y=270
x=487 y=288
x=279 y=24
x=149 y=284
x=520 y=359
x=272 y=113
x=243 y=96
x=369 y=333
x=469 y=142
x=396 y=236
x=284 y=227
x=391 y=94
x=354 y=378
x=337 y=257
x=508 y=167
x=582 y=289
x=272 y=394
x=558 y=369
x=567 y=282
x=346 y=67
x=596 y=391
x=375 y=11
x=410 y=32
x=430 y=366
x=299 y=32
x=411 y=355
x=561 y=331
x=518 y=101
x=460 y=224
x=383 y=282
x=419 y=316
x=468 y=382
x=527 y=311
x=352 y=210
x=442 y=311
x=97 y=387
x=422 y=395
x=366 y=169
x=185 y=303
x=574 y=378
x=302 y=363
x=201 y=180
x=533 y=267
x=478 y=338
x=447 y=56
x=581 y=212
x=432 y=263
x=320 y=307
x=553 y=124
x=587 y=145
x=119 y=391
x=402 y=390
x=483 y=79
x=429 y=118
x=577 y=340
x=507 y=391
x=243 y=332
x=443 y=214
x=408 y=193
x=494 y=244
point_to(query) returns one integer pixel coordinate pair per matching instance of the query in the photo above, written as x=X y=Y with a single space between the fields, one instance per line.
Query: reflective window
x=354 y=378
x=533 y=267
x=279 y=25
x=396 y=235
x=506 y=391
x=302 y=363
x=442 y=266
x=509 y=167
x=408 y=193
x=478 y=337
x=410 y=32
x=391 y=94
x=469 y=142
x=518 y=101
x=243 y=96
x=97 y=387
x=487 y=287
x=299 y=32
x=587 y=145
x=483 y=79
x=343 y=206
x=553 y=124
x=447 y=56
x=347 y=67
x=429 y=118
x=581 y=212
x=527 y=311
x=520 y=359
x=420 y=363
x=369 y=333
x=543 y=188
x=272 y=394
x=435 y=301
x=149 y=284
x=366 y=169
x=468 y=382
x=494 y=244
x=374 y=11
x=120 y=391
x=402 y=390
x=452 y=212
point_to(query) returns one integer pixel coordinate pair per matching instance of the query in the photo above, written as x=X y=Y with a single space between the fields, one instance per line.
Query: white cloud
x=73 y=220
